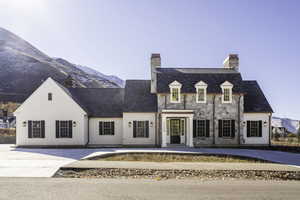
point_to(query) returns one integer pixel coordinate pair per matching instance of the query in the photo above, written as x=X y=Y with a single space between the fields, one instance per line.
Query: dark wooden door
x=175 y=131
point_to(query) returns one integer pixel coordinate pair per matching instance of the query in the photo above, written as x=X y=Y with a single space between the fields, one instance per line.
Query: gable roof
x=138 y=97
x=188 y=77
x=254 y=99
x=98 y=102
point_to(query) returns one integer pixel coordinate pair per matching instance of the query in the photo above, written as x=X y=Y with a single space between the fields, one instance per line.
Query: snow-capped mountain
x=23 y=67
x=291 y=125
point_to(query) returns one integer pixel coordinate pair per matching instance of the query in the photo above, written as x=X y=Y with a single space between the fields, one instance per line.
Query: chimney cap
x=155 y=55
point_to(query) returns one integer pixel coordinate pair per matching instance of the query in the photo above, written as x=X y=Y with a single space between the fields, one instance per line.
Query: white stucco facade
x=62 y=107
x=97 y=139
x=264 y=117
x=128 y=119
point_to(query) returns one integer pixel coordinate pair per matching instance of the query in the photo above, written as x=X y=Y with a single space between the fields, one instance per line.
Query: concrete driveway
x=26 y=162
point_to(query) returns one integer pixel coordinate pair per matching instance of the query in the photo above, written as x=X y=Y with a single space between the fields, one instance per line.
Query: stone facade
x=205 y=111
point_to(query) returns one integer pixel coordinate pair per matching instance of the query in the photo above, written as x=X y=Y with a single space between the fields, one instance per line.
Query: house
x=190 y=107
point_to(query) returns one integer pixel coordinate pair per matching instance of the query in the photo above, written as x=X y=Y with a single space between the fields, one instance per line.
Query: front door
x=175 y=131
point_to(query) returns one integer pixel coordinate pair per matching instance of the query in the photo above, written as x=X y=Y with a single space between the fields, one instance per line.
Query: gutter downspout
x=214 y=110
x=239 y=121
x=88 y=132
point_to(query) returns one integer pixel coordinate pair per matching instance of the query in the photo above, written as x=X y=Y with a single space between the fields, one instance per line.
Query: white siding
x=62 y=107
x=265 y=128
x=96 y=139
x=128 y=138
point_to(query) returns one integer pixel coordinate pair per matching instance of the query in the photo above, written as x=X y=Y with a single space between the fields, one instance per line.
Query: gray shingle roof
x=138 y=97
x=188 y=77
x=255 y=100
x=99 y=102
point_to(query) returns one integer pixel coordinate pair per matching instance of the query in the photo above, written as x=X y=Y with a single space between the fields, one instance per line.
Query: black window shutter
x=43 y=129
x=207 y=128
x=233 y=128
x=220 y=127
x=147 y=128
x=248 y=128
x=134 y=129
x=194 y=128
x=70 y=129
x=100 y=128
x=260 y=129
x=29 y=129
x=57 y=128
x=112 y=128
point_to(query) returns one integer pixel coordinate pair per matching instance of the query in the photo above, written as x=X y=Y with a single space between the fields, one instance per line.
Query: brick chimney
x=232 y=62
x=155 y=63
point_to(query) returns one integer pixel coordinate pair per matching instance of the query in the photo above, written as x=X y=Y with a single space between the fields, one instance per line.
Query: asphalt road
x=133 y=189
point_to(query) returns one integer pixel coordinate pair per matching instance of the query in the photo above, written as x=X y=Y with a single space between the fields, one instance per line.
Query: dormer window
x=201 y=92
x=226 y=92
x=49 y=96
x=175 y=89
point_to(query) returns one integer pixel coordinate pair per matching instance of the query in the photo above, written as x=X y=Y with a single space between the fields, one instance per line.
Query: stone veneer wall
x=205 y=111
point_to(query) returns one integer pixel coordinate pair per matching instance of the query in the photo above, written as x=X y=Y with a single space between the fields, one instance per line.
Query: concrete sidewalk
x=180 y=165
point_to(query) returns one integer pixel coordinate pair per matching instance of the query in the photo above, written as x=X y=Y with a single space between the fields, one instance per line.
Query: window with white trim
x=175 y=90
x=201 y=92
x=175 y=95
x=106 y=128
x=226 y=92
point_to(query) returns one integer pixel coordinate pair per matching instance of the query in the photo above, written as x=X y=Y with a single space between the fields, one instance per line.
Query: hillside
x=23 y=68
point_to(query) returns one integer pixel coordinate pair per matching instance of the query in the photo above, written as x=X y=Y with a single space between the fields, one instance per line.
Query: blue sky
x=118 y=36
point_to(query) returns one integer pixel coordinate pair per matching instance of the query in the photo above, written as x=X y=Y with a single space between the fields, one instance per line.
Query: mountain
x=23 y=68
x=291 y=125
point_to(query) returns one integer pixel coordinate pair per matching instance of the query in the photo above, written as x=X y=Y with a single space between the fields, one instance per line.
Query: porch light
x=265 y=123
x=151 y=124
x=129 y=124
x=244 y=123
x=74 y=123
x=24 y=123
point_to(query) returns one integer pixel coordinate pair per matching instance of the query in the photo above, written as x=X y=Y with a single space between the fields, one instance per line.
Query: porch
x=177 y=128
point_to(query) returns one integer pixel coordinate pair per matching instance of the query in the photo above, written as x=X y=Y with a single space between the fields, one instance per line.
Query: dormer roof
x=188 y=77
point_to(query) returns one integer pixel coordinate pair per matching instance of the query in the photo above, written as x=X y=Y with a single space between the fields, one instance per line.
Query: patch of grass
x=164 y=157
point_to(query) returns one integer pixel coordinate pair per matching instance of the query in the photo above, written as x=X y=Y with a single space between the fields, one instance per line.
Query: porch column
x=164 y=131
x=190 y=133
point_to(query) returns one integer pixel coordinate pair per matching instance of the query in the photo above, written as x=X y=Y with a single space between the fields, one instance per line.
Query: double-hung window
x=106 y=128
x=254 y=128
x=201 y=92
x=36 y=129
x=140 y=129
x=64 y=129
x=175 y=90
x=226 y=128
x=226 y=92
x=200 y=128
